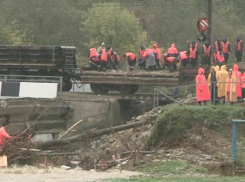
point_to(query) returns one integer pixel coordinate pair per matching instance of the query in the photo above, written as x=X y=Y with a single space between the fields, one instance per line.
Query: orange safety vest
x=239 y=45
x=193 y=53
x=93 y=52
x=243 y=81
x=132 y=55
x=224 y=47
x=141 y=53
x=206 y=51
x=104 y=55
x=113 y=58
x=221 y=59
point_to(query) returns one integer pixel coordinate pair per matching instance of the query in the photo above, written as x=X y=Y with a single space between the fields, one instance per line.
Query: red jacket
x=156 y=51
x=131 y=55
x=147 y=52
x=183 y=55
x=238 y=76
x=172 y=51
x=3 y=136
x=202 y=88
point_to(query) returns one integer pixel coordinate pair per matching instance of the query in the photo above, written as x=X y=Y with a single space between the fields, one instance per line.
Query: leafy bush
x=172 y=124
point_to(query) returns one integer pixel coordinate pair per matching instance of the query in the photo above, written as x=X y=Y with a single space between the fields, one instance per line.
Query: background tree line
x=125 y=24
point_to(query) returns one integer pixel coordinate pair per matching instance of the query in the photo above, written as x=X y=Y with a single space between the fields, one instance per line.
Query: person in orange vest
x=206 y=53
x=148 y=54
x=110 y=53
x=141 y=63
x=183 y=58
x=220 y=59
x=104 y=59
x=243 y=85
x=217 y=48
x=93 y=58
x=225 y=49
x=130 y=57
x=238 y=49
x=192 y=55
x=157 y=54
x=3 y=135
x=115 y=60
x=197 y=50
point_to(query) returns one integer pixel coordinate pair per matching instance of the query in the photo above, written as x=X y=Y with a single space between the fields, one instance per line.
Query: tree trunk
x=90 y=134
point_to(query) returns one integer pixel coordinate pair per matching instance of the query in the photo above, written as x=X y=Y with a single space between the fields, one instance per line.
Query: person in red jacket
x=141 y=63
x=238 y=76
x=149 y=55
x=183 y=58
x=202 y=88
x=225 y=49
x=157 y=54
x=172 y=51
x=220 y=59
x=131 y=58
x=3 y=135
x=192 y=54
x=243 y=85
x=206 y=53
x=172 y=58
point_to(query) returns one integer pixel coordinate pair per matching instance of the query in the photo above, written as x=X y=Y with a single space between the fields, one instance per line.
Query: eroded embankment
x=201 y=129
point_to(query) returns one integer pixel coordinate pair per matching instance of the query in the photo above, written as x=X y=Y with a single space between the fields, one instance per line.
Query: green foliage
x=173 y=123
x=113 y=25
x=173 y=167
x=14 y=34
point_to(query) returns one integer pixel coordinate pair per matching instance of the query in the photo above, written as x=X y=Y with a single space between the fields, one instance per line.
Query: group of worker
x=221 y=85
x=105 y=57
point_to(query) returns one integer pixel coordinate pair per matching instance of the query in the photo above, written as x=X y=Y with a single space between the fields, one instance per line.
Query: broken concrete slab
x=41 y=137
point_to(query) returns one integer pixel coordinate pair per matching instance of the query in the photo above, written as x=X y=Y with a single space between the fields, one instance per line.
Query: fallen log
x=141 y=152
x=90 y=134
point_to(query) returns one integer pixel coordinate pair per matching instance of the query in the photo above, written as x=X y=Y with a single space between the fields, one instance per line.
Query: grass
x=180 y=179
x=172 y=124
x=173 y=167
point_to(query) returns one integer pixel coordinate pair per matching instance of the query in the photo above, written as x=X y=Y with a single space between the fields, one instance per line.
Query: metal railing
x=156 y=97
x=213 y=93
x=31 y=78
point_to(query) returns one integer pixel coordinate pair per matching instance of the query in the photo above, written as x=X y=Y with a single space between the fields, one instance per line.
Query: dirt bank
x=33 y=174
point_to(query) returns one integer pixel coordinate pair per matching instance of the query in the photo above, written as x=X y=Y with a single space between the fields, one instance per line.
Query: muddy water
x=33 y=174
